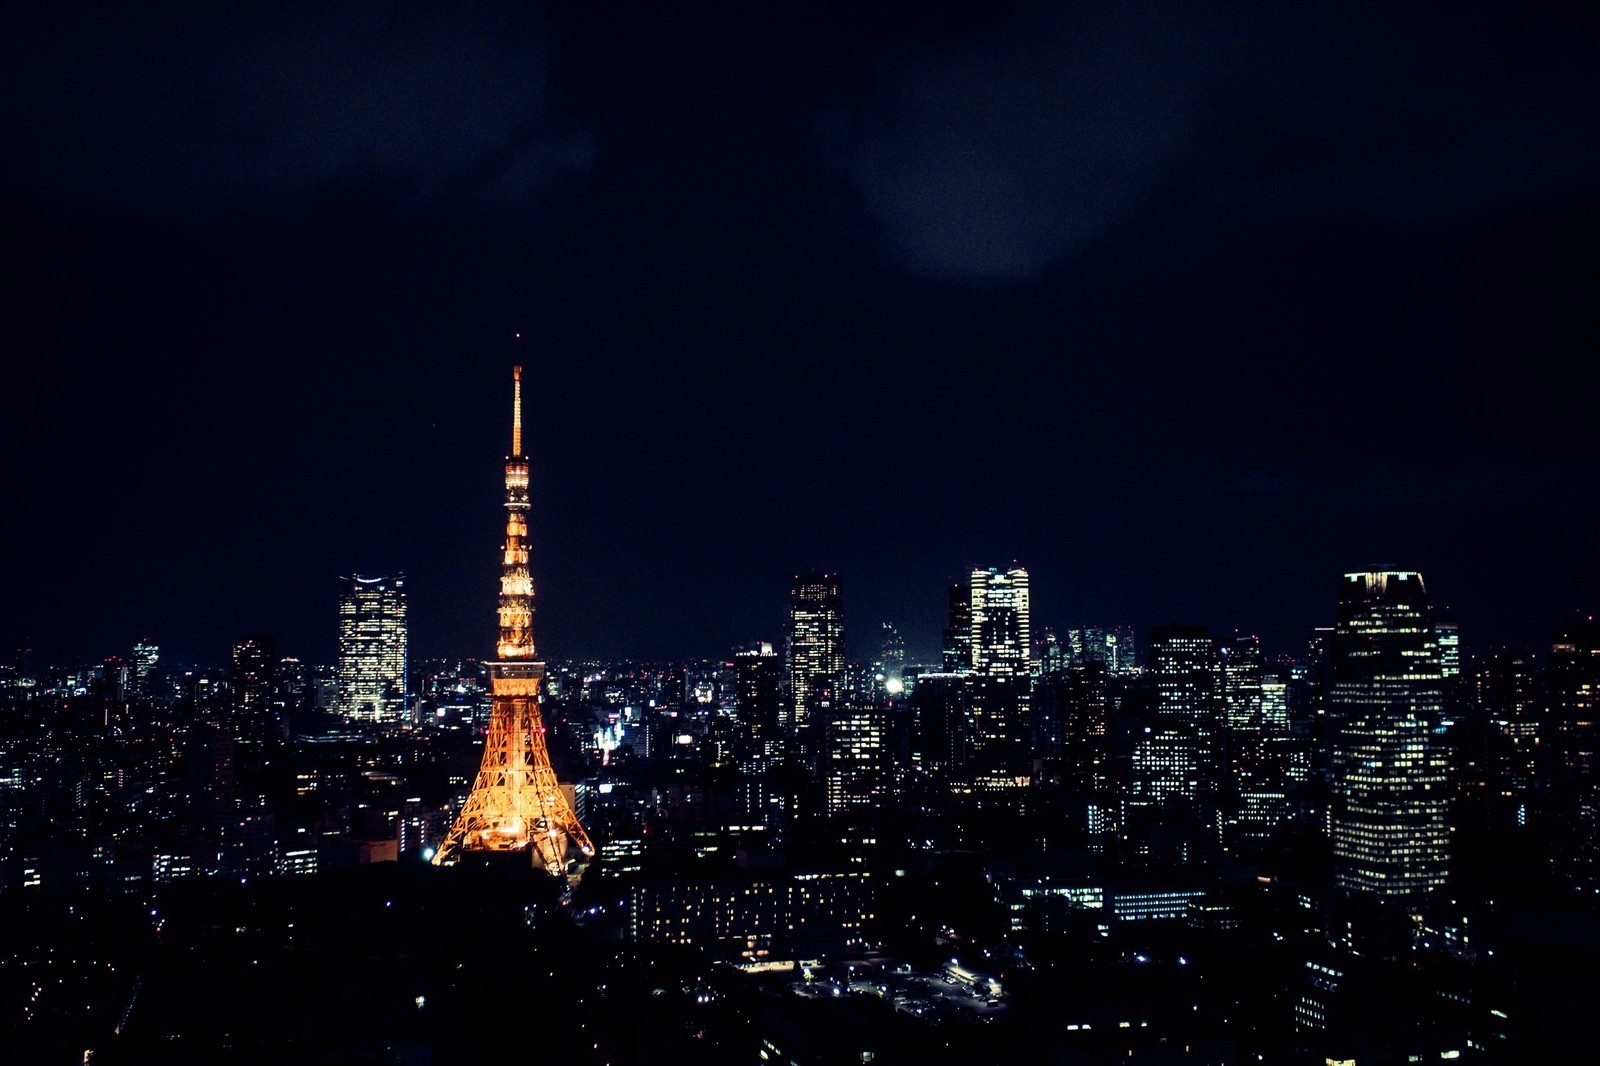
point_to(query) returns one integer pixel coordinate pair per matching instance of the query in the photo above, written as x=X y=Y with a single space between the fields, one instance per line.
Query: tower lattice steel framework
x=516 y=803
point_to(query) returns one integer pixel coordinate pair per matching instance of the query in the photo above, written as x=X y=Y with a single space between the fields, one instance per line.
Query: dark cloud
x=995 y=156
x=195 y=108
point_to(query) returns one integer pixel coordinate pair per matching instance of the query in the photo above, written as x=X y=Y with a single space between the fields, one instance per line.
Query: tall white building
x=1001 y=643
x=372 y=648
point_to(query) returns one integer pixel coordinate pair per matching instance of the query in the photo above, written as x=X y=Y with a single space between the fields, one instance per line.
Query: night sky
x=1188 y=309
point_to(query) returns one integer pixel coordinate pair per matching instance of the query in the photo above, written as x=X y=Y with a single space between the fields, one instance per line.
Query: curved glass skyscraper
x=1386 y=699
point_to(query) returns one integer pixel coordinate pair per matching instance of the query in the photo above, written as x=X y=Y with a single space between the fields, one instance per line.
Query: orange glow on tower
x=516 y=803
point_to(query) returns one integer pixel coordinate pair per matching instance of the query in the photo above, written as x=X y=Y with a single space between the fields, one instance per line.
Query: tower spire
x=516 y=409
x=516 y=804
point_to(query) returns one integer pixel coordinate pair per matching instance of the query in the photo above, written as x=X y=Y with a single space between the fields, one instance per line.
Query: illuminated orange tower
x=516 y=803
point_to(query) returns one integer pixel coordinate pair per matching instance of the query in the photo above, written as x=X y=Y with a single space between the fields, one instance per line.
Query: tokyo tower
x=516 y=803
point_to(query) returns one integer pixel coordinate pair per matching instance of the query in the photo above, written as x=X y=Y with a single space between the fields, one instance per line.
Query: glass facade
x=372 y=648
x=1386 y=701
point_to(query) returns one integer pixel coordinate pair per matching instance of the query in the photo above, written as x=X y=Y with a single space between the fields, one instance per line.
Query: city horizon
x=922 y=643
x=906 y=533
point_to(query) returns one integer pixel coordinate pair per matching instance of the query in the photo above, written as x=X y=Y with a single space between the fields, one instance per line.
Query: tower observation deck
x=516 y=803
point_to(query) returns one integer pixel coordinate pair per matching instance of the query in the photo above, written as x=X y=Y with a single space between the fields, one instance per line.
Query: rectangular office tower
x=1001 y=643
x=1385 y=699
x=816 y=649
x=372 y=648
x=757 y=703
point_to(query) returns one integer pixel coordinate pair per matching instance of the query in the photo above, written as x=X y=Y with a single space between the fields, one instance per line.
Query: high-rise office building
x=146 y=657
x=957 y=637
x=816 y=649
x=1121 y=654
x=255 y=689
x=1084 y=745
x=1001 y=647
x=254 y=672
x=1385 y=698
x=1240 y=660
x=854 y=756
x=1574 y=697
x=757 y=703
x=1264 y=764
x=889 y=670
x=1050 y=656
x=1111 y=645
x=1448 y=635
x=1508 y=698
x=372 y=648
x=1189 y=708
x=1274 y=704
x=1183 y=673
x=941 y=723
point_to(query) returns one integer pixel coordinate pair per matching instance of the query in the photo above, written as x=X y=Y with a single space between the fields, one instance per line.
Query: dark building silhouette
x=1574 y=718
x=758 y=702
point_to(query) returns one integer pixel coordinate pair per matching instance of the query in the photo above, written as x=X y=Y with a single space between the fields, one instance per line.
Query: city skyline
x=948 y=587
x=1318 y=307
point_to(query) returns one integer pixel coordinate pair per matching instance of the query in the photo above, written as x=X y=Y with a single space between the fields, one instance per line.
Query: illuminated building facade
x=854 y=756
x=1182 y=759
x=516 y=804
x=1274 y=704
x=816 y=649
x=1111 y=645
x=1240 y=660
x=745 y=913
x=146 y=657
x=1449 y=637
x=1386 y=699
x=372 y=649
x=1001 y=646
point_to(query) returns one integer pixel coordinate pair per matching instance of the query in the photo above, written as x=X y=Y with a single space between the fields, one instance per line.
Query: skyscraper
x=957 y=642
x=146 y=657
x=1508 y=698
x=1240 y=659
x=1449 y=637
x=1189 y=706
x=757 y=702
x=1385 y=698
x=816 y=649
x=372 y=648
x=1111 y=645
x=1084 y=739
x=1001 y=645
x=941 y=724
x=255 y=669
x=854 y=756
x=891 y=663
x=1574 y=684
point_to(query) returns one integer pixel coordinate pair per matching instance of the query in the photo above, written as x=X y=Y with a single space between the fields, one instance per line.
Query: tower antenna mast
x=516 y=402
